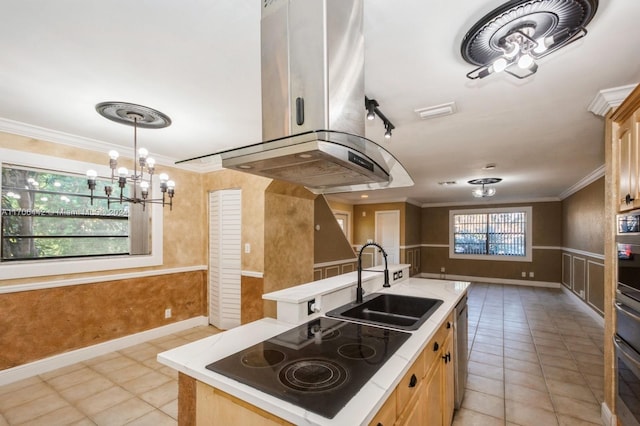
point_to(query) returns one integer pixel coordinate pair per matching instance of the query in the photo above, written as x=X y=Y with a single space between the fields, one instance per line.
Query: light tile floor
x=535 y=359
x=127 y=387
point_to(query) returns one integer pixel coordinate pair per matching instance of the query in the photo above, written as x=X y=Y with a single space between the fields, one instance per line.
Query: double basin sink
x=389 y=310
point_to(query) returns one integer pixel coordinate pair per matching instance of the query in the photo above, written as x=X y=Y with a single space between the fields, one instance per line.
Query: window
x=47 y=214
x=87 y=242
x=497 y=234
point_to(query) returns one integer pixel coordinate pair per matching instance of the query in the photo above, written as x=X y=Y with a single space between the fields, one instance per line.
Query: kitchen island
x=207 y=396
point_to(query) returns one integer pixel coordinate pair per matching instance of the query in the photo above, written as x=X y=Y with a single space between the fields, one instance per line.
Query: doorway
x=388 y=235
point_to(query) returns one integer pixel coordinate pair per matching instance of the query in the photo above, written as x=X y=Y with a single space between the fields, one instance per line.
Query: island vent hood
x=313 y=99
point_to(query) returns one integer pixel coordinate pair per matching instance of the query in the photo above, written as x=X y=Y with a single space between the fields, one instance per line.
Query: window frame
x=46 y=267
x=528 y=234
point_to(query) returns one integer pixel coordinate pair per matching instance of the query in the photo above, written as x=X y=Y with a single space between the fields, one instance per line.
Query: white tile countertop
x=192 y=358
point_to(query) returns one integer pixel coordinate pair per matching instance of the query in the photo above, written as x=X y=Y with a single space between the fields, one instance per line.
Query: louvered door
x=224 y=258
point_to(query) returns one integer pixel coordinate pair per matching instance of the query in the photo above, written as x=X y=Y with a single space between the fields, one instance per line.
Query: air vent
x=436 y=111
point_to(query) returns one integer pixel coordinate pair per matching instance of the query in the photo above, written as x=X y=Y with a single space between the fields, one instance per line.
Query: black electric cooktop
x=318 y=366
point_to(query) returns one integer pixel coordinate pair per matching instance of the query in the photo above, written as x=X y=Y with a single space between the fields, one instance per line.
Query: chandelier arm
x=580 y=33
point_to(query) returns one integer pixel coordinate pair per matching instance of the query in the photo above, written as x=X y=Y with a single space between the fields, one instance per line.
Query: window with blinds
x=501 y=233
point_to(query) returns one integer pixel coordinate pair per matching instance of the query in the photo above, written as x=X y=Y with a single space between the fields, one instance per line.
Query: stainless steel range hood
x=313 y=115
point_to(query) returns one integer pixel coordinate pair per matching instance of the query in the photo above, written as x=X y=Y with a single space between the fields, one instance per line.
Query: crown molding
x=609 y=98
x=585 y=181
x=30 y=131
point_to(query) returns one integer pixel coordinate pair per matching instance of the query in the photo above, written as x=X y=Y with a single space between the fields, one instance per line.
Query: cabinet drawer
x=433 y=349
x=410 y=383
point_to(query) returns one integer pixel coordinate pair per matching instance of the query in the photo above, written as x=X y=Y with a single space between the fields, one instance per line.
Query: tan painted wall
x=583 y=229
x=412 y=225
x=330 y=243
x=288 y=238
x=546 y=263
x=42 y=323
x=583 y=219
x=364 y=227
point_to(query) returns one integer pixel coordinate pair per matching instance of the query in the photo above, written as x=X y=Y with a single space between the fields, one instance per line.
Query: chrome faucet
x=359 y=291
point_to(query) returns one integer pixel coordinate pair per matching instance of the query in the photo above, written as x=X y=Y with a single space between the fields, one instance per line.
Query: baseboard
x=44 y=365
x=491 y=280
x=608 y=418
x=592 y=313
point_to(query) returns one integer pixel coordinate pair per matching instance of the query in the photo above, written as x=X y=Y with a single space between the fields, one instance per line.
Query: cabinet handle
x=628 y=199
x=379 y=424
x=447 y=357
x=436 y=346
x=448 y=324
x=413 y=381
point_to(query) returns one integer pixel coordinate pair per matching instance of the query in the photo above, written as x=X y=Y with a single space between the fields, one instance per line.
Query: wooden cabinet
x=448 y=374
x=425 y=396
x=628 y=144
x=625 y=155
x=387 y=414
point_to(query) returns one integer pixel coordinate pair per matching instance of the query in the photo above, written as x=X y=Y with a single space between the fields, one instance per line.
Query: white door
x=224 y=258
x=388 y=235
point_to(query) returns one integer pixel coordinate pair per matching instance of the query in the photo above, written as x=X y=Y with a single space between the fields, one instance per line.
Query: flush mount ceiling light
x=136 y=116
x=513 y=36
x=484 y=192
x=372 y=111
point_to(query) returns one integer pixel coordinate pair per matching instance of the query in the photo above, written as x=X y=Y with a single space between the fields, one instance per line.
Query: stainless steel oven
x=627 y=337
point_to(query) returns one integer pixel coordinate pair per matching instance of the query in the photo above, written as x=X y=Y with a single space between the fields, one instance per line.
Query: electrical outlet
x=395 y=275
x=582 y=293
x=311 y=306
x=524 y=275
x=531 y=274
x=247 y=248
x=442 y=269
x=167 y=313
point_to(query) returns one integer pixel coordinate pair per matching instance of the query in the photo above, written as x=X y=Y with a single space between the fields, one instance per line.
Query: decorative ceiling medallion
x=133 y=115
x=511 y=37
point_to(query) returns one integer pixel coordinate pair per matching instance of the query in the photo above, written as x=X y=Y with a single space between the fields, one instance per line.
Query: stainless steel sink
x=389 y=310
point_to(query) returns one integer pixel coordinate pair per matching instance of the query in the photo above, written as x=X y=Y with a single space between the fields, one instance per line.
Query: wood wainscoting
x=583 y=274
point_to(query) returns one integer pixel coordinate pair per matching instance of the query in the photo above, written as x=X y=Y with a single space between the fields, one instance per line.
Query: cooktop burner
x=319 y=365
x=313 y=375
x=356 y=351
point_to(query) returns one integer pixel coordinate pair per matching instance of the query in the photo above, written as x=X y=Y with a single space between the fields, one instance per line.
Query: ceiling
x=199 y=62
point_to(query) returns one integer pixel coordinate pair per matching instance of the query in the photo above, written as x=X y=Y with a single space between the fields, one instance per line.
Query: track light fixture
x=371 y=105
x=372 y=111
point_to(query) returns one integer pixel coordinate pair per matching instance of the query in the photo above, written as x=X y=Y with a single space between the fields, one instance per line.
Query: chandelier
x=484 y=192
x=512 y=37
x=141 y=180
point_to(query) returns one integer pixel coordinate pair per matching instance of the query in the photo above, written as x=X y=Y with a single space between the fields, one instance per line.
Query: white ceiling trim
x=585 y=181
x=609 y=98
x=55 y=136
x=485 y=203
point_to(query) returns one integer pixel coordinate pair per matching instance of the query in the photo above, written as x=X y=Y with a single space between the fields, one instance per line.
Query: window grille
x=500 y=233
